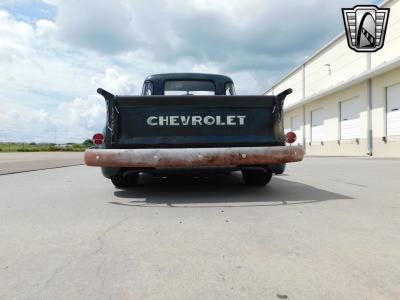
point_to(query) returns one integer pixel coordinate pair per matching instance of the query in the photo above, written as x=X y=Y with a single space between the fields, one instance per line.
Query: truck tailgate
x=194 y=121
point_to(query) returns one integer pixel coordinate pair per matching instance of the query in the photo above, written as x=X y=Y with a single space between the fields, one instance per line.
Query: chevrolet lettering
x=196 y=120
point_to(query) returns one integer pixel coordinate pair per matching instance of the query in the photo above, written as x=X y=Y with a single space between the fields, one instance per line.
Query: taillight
x=98 y=139
x=291 y=137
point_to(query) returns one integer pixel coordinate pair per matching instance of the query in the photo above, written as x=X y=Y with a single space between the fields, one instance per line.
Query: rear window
x=189 y=87
x=148 y=89
x=229 y=89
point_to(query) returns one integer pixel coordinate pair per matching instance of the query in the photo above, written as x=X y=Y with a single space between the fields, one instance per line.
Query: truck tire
x=125 y=180
x=256 y=177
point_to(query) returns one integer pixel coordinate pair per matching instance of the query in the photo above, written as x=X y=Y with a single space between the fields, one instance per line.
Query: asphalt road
x=16 y=162
x=328 y=229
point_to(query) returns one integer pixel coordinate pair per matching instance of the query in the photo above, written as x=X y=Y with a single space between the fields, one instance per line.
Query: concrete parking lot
x=327 y=229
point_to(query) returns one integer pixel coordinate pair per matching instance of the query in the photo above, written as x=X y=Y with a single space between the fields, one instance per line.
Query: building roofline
x=369 y=74
x=308 y=59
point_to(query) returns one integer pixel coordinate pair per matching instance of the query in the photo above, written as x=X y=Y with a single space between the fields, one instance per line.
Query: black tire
x=256 y=177
x=125 y=180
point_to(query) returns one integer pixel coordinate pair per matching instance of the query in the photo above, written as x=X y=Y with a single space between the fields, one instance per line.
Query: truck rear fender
x=112 y=127
x=278 y=115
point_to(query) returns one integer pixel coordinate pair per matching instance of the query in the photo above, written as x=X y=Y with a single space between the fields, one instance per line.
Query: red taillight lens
x=291 y=137
x=98 y=139
x=98 y=136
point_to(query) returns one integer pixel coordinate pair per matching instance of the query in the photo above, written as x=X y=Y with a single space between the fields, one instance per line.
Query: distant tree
x=88 y=143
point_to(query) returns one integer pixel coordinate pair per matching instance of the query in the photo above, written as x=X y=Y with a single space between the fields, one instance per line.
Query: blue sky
x=55 y=53
x=30 y=11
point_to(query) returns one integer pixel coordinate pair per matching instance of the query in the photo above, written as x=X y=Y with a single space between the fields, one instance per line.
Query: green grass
x=32 y=147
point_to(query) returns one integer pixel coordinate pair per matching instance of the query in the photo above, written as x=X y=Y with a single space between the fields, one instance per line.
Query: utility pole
x=303 y=96
x=369 y=109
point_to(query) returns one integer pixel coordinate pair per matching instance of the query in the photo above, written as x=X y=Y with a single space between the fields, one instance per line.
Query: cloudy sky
x=54 y=54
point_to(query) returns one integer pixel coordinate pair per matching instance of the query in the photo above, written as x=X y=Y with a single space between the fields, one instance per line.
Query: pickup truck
x=192 y=123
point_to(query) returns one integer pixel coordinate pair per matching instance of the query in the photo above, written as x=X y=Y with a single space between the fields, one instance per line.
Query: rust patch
x=198 y=157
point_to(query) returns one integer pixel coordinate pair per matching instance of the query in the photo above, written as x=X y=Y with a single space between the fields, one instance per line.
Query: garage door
x=297 y=128
x=350 y=125
x=393 y=110
x=317 y=125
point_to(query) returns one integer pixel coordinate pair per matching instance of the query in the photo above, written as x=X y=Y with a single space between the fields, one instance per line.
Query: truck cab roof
x=158 y=81
x=189 y=76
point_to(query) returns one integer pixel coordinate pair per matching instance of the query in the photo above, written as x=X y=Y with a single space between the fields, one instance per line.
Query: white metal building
x=347 y=103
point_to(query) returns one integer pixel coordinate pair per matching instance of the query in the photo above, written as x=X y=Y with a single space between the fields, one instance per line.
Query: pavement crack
x=101 y=243
x=51 y=278
x=350 y=183
x=101 y=237
x=100 y=240
x=338 y=181
x=98 y=275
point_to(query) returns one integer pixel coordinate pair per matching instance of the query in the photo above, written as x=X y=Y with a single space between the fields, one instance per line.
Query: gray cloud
x=236 y=36
x=103 y=26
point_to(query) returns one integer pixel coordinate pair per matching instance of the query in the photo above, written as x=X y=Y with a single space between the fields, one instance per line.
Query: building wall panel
x=391 y=47
x=383 y=146
x=334 y=65
x=333 y=145
x=294 y=82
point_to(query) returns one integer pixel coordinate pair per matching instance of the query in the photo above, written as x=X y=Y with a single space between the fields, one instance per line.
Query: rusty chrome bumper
x=192 y=157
